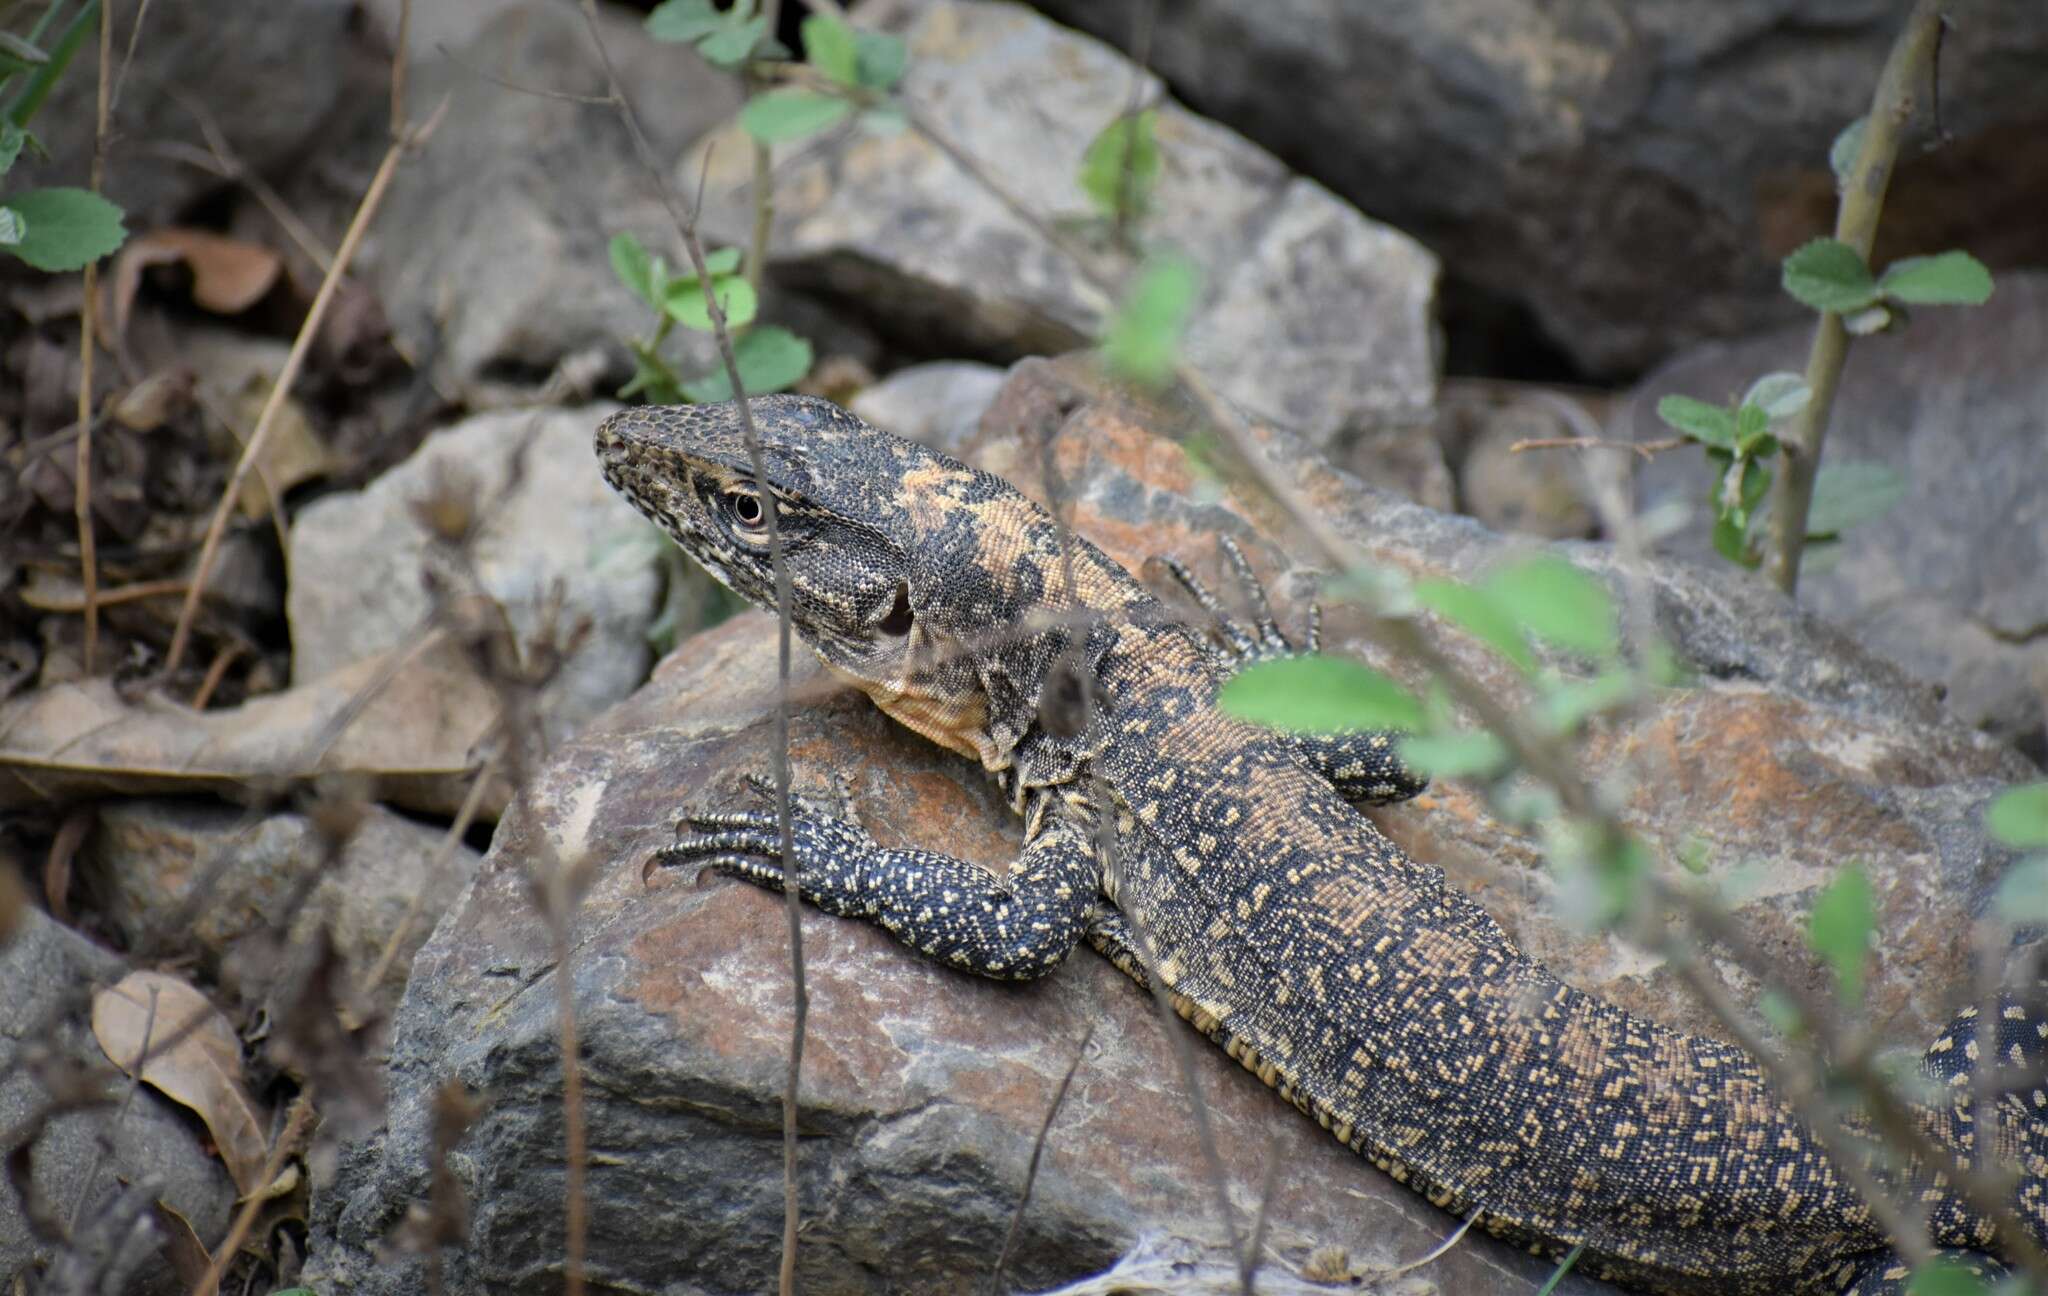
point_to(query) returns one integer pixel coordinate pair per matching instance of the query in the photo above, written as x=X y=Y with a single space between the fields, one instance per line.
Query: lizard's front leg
x=1017 y=926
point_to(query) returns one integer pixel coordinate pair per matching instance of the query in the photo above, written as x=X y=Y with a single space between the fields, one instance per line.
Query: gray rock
x=490 y=255
x=924 y=1090
x=267 y=75
x=82 y=1158
x=1631 y=174
x=229 y=882
x=1313 y=315
x=358 y=557
x=1949 y=583
x=939 y=404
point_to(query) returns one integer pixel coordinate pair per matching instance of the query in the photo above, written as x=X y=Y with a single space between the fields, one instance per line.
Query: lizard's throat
x=946 y=706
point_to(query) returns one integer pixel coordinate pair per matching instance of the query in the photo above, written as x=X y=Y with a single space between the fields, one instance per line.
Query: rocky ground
x=309 y=874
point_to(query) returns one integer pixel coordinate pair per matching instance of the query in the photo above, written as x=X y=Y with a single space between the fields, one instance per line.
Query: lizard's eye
x=746 y=510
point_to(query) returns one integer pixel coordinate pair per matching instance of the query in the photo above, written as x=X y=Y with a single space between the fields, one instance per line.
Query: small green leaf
x=1843 y=920
x=1476 y=613
x=1713 y=424
x=721 y=261
x=1829 y=275
x=734 y=43
x=1731 y=541
x=685 y=20
x=2022 y=895
x=1778 y=395
x=1475 y=754
x=1142 y=342
x=1778 y=1008
x=2019 y=817
x=686 y=304
x=1557 y=602
x=882 y=58
x=830 y=47
x=11 y=227
x=1950 y=279
x=791 y=114
x=18 y=55
x=770 y=358
x=1944 y=1276
x=65 y=229
x=1126 y=143
x=1842 y=153
x=1751 y=424
x=1317 y=694
x=635 y=268
x=1568 y=704
x=1850 y=494
x=12 y=137
x=884 y=119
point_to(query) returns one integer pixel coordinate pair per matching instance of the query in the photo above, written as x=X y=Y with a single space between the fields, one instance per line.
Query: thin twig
x=1059 y=1096
x=404 y=143
x=1863 y=191
x=686 y=227
x=88 y=328
x=1648 y=450
x=457 y=829
x=295 y=1123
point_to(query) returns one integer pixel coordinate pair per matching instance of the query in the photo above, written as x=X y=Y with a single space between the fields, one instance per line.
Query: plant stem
x=1905 y=68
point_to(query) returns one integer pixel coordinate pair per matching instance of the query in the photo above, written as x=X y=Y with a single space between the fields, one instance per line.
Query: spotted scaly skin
x=1350 y=978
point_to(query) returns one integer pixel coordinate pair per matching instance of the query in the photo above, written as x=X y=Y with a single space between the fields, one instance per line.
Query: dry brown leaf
x=191 y=1054
x=292 y=453
x=412 y=739
x=228 y=275
x=188 y=1254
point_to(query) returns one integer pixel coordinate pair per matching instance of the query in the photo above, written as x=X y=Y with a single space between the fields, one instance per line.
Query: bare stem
x=88 y=326
x=1907 y=67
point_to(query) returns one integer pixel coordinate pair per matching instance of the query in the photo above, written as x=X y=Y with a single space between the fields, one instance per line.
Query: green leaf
x=1778 y=395
x=635 y=268
x=1731 y=541
x=770 y=358
x=687 y=307
x=1950 y=279
x=1751 y=425
x=1842 y=153
x=1943 y=1276
x=1843 y=920
x=2019 y=817
x=1566 y=705
x=685 y=20
x=830 y=47
x=791 y=114
x=1126 y=142
x=11 y=227
x=1317 y=694
x=1829 y=275
x=12 y=137
x=1557 y=602
x=1778 y=1008
x=1477 y=614
x=884 y=119
x=1142 y=342
x=1713 y=424
x=1850 y=494
x=722 y=261
x=65 y=229
x=882 y=58
x=733 y=44
x=18 y=55
x=2022 y=895
x=1454 y=755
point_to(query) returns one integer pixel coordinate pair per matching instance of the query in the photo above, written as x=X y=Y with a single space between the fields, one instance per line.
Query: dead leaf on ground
x=188 y=1254
x=292 y=453
x=229 y=275
x=191 y=1054
x=412 y=738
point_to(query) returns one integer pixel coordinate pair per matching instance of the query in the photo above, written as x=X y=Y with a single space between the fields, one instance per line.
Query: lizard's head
x=908 y=570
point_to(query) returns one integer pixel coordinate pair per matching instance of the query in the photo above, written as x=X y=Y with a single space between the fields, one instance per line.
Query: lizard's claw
x=831 y=854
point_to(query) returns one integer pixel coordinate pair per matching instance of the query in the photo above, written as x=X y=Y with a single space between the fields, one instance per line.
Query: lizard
x=1228 y=864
